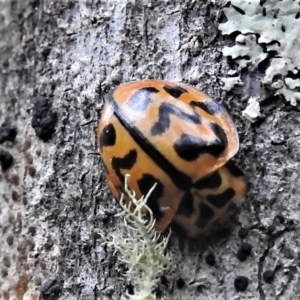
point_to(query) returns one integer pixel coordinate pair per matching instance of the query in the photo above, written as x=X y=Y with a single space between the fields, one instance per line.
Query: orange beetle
x=177 y=137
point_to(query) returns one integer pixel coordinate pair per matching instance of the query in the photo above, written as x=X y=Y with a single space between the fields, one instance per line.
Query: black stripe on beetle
x=190 y=147
x=174 y=91
x=219 y=145
x=165 y=110
x=145 y=184
x=186 y=207
x=222 y=199
x=210 y=107
x=107 y=136
x=211 y=181
x=141 y=99
x=180 y=179
x=206 y=215
x=124 y=163
x=233 y=169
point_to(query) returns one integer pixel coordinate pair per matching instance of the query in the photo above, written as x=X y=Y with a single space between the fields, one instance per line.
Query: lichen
x=266 y=26
x=252 y=111
x=142 y=249
x=230 y=82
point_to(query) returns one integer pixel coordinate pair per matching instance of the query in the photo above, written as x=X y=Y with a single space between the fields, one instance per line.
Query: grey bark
x=55 y=208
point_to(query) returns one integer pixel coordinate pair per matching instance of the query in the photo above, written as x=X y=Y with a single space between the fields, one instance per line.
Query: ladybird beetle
x=177 y=137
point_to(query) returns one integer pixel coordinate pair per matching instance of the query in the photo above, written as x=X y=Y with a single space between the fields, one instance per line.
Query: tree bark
x=58 y=61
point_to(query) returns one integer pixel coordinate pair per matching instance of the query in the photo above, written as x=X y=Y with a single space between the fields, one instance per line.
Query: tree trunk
x=58 y=61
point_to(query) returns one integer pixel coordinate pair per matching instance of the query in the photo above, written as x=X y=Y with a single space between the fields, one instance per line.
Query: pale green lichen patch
x=246 y=46
x=270 y=26
x=142 y=249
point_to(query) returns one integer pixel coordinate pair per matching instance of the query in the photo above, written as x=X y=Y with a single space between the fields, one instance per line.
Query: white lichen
x=246 y=46
x=230 y=82
x=142 y=249
x=270 y=26
x=252 y=111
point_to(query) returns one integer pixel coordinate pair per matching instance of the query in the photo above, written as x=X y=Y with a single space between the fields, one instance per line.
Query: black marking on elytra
x=165 y=110
x=180 y=179
x=186 y=207
x=124 y=163
x=107 y=136
x=233 y=169
x=174 y=91
x=141 y=99
x=222 y=199
x=211 y=107
x=190 y=147
x=206 y=214
x=211 y=181
x=145 y=184
x=219 y=145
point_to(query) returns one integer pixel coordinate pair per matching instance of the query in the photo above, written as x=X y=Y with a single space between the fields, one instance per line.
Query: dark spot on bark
x=164 y=281
x=44 y=119
x=6 y=261
x=6 y=160
x=51 y=289
x=210 y=259
x=32 y=230
x=180 y=283
x=268 y=276
x=14 y=179
x=45 y=52
x=15 y=195
x=8 y=132
x=244 y=251
x=243 y=232
x=87 y=113
x=271 y=230
x=241 y=283
x=130 y=289
x=10 y=240
x=31 y=171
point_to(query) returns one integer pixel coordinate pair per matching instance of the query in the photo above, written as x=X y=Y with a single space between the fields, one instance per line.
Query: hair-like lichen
x=142 y=249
